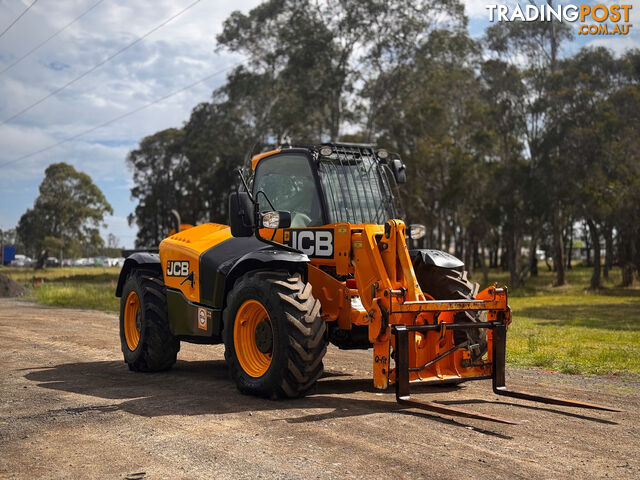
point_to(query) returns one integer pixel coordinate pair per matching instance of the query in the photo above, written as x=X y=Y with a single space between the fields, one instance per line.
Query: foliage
x=66 y=215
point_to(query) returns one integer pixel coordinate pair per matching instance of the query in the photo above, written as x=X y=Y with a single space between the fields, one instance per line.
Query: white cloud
x=476 y=8
x=617 y=44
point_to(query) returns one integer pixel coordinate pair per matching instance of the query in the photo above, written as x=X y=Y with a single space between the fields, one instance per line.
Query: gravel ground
x=70 y=408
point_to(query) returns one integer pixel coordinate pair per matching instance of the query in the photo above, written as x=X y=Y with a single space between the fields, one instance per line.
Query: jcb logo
x=177 y=268
x=314 y=243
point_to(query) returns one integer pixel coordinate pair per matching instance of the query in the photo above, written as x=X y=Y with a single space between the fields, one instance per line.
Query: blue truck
x=8 y=253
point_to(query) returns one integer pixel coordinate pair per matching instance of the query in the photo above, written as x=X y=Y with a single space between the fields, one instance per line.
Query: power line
x=99 y=64
x=120 y=117
x=19 y=17
x=15 y=62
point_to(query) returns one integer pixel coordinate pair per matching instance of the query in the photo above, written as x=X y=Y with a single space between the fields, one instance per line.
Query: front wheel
x=274 y=335
x=147 y=342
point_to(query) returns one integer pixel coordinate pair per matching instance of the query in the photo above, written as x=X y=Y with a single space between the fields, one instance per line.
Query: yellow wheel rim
x=132 y=320
x=254 y=361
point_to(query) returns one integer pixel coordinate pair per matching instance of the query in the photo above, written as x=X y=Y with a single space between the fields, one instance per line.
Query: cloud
x=618 y=44
x=475 y=8
x=176 y=55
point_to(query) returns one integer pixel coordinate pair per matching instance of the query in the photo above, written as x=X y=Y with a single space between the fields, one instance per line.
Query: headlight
x=326 y=151
x=271 y=219
x=416 y=232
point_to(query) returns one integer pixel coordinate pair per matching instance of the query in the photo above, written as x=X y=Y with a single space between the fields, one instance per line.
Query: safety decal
x=204 y=316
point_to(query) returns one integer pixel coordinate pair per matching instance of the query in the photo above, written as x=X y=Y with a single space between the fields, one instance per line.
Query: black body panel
x=435 y=257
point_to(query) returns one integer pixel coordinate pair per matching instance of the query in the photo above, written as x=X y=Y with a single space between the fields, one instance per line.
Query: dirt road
x=70 y=408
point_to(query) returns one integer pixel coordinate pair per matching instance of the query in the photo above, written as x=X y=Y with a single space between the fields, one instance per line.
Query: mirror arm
x=246 y=186
x=281 y=246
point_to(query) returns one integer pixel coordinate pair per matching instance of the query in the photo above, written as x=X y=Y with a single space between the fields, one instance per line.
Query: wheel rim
x=132 y=320
x=254 y=360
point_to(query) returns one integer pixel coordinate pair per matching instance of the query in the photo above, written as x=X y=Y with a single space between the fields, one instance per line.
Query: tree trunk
x=626 y=255
x=558 y=246
x=513 y=258
x=459 y=246
x=570 y=242
x=587 y=245
x=476 y=255
x=485 y=269
x=608 y=256
x=533 y=259
x=468 y=255
x=595 y=240
x=493 y=254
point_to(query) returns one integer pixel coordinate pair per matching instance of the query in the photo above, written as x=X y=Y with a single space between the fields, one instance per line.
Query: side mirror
x=399 y=170
x=279 y=219
x=241 y=214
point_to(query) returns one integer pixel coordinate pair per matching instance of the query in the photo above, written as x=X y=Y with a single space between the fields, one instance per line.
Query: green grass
x=566 y=329
x=82 y=287
x=572 y=329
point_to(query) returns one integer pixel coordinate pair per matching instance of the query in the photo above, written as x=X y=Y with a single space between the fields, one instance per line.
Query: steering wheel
x=300 y=219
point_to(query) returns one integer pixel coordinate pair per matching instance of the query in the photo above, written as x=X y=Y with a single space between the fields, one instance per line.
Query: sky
x=177 y=54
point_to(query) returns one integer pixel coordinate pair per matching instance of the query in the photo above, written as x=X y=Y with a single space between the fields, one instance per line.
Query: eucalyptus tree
x=66 y=216
x=534 y=48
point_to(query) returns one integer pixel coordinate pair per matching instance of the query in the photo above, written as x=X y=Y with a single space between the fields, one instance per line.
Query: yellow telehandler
x=314 y=253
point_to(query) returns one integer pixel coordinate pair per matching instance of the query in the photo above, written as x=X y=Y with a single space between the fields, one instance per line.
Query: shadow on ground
x=204 y=387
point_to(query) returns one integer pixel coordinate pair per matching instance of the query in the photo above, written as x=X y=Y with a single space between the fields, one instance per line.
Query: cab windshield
x=357 y=188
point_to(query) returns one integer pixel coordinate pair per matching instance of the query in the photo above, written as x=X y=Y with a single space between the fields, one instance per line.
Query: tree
x=66 y=215
x=113 y=241
x=159 y=175
x=538 y=43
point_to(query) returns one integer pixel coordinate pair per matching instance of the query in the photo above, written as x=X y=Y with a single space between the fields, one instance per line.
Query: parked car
x=21 y=261
x=115 y=262
x=52 y=262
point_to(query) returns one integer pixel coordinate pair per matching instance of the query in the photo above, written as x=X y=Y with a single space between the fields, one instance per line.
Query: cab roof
x=343 y=145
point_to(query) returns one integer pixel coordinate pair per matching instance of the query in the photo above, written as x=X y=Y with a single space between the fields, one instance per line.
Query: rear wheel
x=274 y=335
x=447 y=284
x=147 y=343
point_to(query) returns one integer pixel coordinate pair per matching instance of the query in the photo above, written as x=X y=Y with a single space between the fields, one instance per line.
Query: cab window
x=288 y=182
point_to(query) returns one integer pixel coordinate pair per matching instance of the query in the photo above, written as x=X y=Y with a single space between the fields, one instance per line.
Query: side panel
x=192 y=320
x=180 y=257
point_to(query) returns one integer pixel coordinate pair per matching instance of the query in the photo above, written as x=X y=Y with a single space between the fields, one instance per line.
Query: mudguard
x=223 y=264
x=435 y=257
x=135 y=260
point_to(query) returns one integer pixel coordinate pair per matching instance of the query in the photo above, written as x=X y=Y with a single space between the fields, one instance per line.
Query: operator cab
x=325 y=184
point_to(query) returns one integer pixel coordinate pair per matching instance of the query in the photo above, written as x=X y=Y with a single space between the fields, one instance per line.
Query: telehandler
x=315 y=254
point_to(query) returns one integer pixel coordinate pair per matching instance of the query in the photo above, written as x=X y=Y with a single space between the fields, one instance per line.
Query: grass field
x=568 y=329
x=84 y=287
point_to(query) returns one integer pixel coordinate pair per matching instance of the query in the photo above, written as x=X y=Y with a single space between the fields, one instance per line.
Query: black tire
x=298 y=334
x=448 y=284
x=157 y=348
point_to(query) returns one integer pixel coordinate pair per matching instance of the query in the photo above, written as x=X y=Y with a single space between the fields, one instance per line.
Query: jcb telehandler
x=315 y=253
